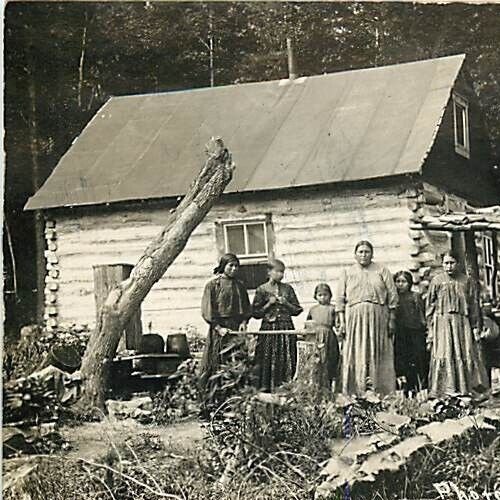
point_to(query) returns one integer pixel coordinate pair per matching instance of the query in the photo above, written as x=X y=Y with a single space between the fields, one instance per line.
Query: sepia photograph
x=251 y=250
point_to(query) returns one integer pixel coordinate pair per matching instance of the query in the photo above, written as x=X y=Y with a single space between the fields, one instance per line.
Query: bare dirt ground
x=94 y=440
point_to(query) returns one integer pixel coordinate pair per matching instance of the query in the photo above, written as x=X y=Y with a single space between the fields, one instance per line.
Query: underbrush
x=24 y=357
x=468 y=466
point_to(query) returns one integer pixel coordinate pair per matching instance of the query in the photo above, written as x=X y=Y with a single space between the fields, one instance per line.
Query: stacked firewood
x=29 y=401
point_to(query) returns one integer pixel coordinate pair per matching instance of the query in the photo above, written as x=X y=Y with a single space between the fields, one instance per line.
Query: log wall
x=429 y=245
x=314 y=235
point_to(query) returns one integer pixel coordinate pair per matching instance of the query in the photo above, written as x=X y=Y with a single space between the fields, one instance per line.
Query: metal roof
x=344 y=126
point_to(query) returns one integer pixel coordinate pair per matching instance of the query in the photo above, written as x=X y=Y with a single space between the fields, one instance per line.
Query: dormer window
x=461 y=125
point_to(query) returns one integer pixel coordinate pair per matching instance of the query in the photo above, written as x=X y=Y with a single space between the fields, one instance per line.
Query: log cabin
x=321 y=162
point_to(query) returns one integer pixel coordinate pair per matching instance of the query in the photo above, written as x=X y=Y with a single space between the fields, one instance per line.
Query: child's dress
x=324 y=318
x=275 y=355
x=410 y=354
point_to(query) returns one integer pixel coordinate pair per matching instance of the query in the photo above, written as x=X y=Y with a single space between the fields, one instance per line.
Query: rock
x=125 y=409
x=392 y=422
x=391 y=459
x=440 y=432
x=18 y=477
x=492 y=417
x=14 y=441
x=271 y=399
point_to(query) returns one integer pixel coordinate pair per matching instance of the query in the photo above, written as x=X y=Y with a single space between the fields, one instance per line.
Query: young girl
x=323 y=314
x=225 y=307
x=275 y=303
x=410 y=353
x=454 y=323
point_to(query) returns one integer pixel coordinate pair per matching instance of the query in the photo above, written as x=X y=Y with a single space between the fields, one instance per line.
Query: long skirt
x=329 y=353
x=368 y=352
x=275 y=355
x=411 y=358
x=457 y=366
x=218 y=350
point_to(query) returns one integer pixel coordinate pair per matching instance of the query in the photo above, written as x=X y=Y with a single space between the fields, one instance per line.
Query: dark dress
x=275 y=355
x=225 y=303
x=410 y=354
x=324 y=318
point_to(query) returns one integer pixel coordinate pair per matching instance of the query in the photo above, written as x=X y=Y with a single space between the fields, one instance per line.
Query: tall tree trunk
x=125 y=299
x=37 y=182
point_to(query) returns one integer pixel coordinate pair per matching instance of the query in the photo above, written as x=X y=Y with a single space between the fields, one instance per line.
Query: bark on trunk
x=124 y=300
x=311 y=370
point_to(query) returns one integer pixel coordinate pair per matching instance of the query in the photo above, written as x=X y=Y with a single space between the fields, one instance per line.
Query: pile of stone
x=139 y=408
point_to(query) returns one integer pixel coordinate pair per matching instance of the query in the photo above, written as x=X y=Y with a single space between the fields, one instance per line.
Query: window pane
x=235 y=240
x=253 y=275
x=256 y=238
x=460 y=114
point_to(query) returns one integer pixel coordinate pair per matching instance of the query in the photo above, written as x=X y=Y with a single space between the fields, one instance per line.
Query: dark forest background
x=64 y=60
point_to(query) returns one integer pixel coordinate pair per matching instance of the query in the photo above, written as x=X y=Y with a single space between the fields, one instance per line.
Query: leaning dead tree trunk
x=124 y=300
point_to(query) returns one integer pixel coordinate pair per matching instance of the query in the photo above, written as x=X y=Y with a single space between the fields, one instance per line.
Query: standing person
x=490 y=336
x=454 y=322
x=323 y=315
x=366 y=304
x=410 y=353
x=225 y=306
x=275 y=303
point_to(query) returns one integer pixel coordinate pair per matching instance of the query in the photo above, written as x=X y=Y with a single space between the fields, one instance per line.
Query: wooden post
x=106 y=277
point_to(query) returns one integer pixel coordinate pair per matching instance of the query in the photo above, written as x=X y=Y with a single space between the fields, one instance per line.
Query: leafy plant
x=180 y=398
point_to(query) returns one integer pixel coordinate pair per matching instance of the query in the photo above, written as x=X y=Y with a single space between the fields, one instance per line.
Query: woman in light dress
x=366 y=301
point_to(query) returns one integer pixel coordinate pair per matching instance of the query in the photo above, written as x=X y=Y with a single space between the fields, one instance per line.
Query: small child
x=323 y=315
x=490 y=338
x=411 y=358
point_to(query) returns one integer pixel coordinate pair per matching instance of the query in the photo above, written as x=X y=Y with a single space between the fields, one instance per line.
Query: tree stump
x=107 y=277
x=311 y=366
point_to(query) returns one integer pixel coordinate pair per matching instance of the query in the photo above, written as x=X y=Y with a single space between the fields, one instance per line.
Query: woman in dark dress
x=275 y=303
x=225 y=307
x=410 y=354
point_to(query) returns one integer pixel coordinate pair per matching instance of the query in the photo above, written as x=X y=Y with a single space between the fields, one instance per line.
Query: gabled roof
x=345 y=126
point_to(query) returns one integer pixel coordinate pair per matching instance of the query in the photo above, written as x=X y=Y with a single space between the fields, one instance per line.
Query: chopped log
x=125 y=299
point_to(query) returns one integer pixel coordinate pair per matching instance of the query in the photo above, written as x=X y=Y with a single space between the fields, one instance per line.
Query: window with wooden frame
x=251 y=240
x=461 y=125
x=489 y=262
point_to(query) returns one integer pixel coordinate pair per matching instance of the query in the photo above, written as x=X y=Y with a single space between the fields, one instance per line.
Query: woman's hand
x=270 y=302
x=221 y=330
x=341 y=325
x=428 y=342
x=243 y=326
x=477 y=334
x=392 y=327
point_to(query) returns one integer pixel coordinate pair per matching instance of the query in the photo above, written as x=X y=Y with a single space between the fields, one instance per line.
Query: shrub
x=180 y=398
